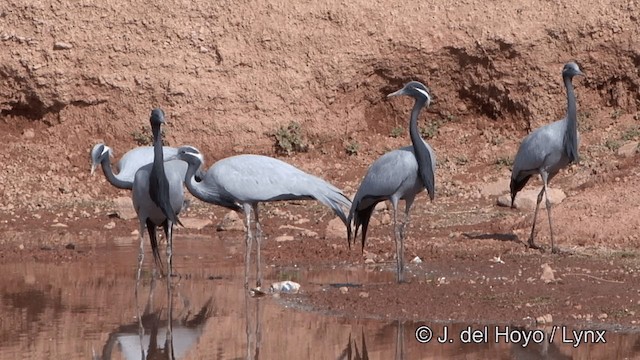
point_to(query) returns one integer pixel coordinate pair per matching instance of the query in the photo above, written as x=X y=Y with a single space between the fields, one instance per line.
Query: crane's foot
x=533 y=245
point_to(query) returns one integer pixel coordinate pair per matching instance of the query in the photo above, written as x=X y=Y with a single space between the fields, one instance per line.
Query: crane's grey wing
x=255 y=178
x=385 y=176
x=175 y=171
x=539 y=149
x=138 y=157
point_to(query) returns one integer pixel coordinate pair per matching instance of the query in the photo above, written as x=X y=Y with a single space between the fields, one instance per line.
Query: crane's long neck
x=420 y=149
x=113 y=178
x=571 y=134
x=207 y=190
x=158 y=155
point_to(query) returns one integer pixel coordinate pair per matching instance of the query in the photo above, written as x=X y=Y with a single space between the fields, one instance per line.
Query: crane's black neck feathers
x=571 y=133
x=159 y=190
x=420 y=149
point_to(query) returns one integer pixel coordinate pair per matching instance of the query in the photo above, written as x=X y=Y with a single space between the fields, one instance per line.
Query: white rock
x=629 y=149
x=288 y=287
x=416 y=260
x=335 y=229
x=526 y=199
x=231 y=222
x=124 y=208
x=195 y=223
x=283 y=238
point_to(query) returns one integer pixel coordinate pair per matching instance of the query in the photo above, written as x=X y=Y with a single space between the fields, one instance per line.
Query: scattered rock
x=61 y=225
x=124 y=208
x=369 y=261
x=287 y=287
x=21 y=246
x=231 y=222
x=335 y=229
x=344 y=289
x=28 y=133
x=363 y=294
x=385 y=219
x=381 y=206
x=70 y=246
x=602 y=316
x=283 y=238
x=497 y=260
x=526 y=199
x=547 y=274
x=544 y=319
x=61 y=45
x=195 y=223
x=301 y=231
x=416 y=260
x=110 y=225
x=628 y=149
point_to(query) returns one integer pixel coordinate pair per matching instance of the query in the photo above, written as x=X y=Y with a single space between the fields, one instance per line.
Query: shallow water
x=87 y=308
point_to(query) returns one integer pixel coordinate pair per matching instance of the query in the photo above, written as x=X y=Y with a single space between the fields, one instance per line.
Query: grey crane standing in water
x=158 y=194
x=158 y=197
x=396 y=175
x=547 y=150
x=241 y=182
x=130 y=162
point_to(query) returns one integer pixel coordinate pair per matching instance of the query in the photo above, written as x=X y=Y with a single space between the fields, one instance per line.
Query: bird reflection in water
x=252 y=325
x=148 y=337
x=354 y=352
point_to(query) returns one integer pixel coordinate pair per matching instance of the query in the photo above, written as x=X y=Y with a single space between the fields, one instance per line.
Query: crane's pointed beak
x=396 y=93
x=170 y=158
x=93 y=169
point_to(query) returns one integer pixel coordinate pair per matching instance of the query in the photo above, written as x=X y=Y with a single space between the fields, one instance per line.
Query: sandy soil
x=229 y=74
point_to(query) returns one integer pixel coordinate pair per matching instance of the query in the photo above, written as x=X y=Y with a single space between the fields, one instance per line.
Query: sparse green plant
x=450 y=118
x=352 y=148
x=289 y=139
x=615 y=114
x=612 y=145
x=461 y=160
x=431 y=130
x=397 y=131
x=504 y=161
x=144 y=137
x=631 y=133
x=497 y=140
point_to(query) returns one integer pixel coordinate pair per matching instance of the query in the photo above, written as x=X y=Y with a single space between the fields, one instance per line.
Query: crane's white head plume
x=415 y=89
x=98 y=152
x=188 y=154
x=571 y=69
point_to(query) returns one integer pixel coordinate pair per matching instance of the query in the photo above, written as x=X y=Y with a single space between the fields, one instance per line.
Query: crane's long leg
x=535 y=216
x=248 y=241
x=258 y=236
x=405 y=222
x=138 y=273
x=548 y=203
x=169 y=233
x=400 y=353
x=398 y=240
